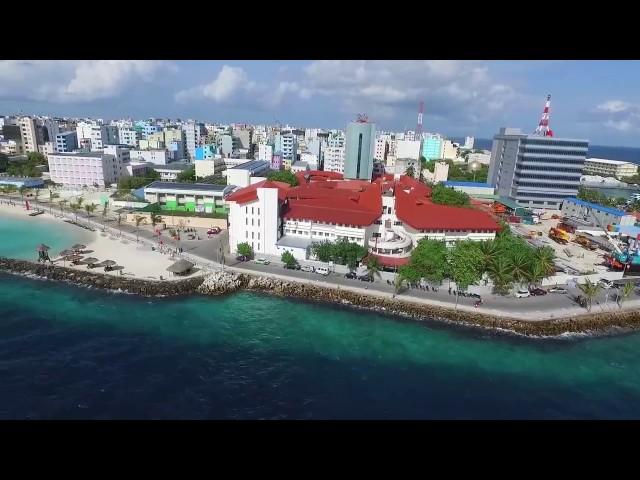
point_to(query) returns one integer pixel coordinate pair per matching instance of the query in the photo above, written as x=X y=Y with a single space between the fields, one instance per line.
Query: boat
x=37 y=212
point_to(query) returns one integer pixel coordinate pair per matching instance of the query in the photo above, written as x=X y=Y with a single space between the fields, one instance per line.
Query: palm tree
x=155 y=219
x=52 y=196
x=37 y=194
x=626 y=291
x=61 y=204
x=119 y=223
x=520 y=265
x=22 y=190
x=374 y=267
x=138 y=219
x=105 y=209
x=10 y=189
x=75 y=207
x=500 y=273
x=397 y=283
x=536 y=273
x=545 y=257
x=489 y=250
x=79 y=201
x=89 y=208
x=590 y=290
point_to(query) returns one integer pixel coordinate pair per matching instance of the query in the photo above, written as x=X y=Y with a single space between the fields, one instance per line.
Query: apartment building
x=609 y=168
x=77 y=170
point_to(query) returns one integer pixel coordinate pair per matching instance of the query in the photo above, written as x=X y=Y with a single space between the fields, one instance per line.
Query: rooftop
x=595 y=206
x=252 y=165
x=451 y=183
x=79 y=154
x=608 y=162
x=173 y=166
x=186 y=186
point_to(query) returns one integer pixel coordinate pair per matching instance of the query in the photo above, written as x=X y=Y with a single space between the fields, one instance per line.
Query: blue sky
x=596 y=100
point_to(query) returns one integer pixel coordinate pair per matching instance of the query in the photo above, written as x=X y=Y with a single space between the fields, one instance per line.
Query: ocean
x=75 y=353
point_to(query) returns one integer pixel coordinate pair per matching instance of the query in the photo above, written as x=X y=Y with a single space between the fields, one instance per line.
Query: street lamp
x=474 y=166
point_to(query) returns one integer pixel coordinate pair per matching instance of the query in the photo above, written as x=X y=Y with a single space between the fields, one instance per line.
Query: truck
x=558 y=235
x=584 y=242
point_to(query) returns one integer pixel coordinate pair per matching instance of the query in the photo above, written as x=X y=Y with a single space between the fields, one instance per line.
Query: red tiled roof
x=420 y=213
x=250 y=193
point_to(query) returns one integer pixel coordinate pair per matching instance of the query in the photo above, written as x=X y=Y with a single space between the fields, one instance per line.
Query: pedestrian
x=449 y=290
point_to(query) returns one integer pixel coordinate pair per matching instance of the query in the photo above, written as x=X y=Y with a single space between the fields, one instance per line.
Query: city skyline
x=592 y=100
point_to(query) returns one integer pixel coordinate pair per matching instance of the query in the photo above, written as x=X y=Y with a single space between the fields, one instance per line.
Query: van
x=322 y=271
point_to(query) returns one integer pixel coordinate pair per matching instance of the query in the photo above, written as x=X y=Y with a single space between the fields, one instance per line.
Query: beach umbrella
x=90 y=260
x=181 y=266
x=64 y=253
x=78 y=246
x=72 y=258
x=108 y=263
x=43 y=248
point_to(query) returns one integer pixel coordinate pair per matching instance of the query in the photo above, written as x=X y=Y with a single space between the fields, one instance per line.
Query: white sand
x=138 y=260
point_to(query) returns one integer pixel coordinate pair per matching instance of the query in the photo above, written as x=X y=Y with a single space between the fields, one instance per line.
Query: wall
x=173 y=220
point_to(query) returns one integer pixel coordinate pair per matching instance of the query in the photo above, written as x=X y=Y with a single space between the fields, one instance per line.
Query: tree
x=214 y=179
x=323 y=251
x=138 y=219
x=4 y=162
x=466 y=264
x=10 y=189
x=36 y=158
x=627 y=289
x=61 y=204
x=374 y=267
x=286 y=176
x=52 y=197
x=545 y=257
x=89 y=208
x=155 y=219
x=410 y=171
x=188 y=176
x=245 y=249
x=448 y=196
x=500 y=274
x=22 y=190
x=132 y=183
x=341 y=251
x=75 y=206
x=428 y=260
x=520 y=264
x=288 y=259
x=590 y=291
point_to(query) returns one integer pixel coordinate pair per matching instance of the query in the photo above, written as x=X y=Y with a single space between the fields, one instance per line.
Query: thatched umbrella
x=90 y=260
x=78 y=246
x=43 y=248
x=65 y=253
x=180 y=267
x=108 y=263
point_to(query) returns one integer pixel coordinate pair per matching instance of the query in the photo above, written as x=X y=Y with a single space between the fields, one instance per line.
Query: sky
x=594 y=100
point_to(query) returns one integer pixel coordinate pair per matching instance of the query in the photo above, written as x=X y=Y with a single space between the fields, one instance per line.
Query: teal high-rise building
x=432 y=147
x=359 y=150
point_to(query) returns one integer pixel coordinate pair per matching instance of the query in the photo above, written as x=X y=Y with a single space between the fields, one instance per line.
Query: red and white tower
x=543 y=127
x=419 y=126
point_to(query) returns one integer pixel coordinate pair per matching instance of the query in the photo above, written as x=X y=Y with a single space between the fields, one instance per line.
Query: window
x=258 y=246
x=246 y=234
x=252 y=222
x=258 y=210
x=251 y=210
x=398 y=222
x=258 y=222
x=258 y=235
x=252 y=235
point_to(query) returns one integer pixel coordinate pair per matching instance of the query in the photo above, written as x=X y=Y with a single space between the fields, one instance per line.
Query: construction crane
x=606 y=233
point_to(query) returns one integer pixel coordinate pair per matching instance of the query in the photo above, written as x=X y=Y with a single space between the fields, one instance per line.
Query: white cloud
x=617 y=115
x=74 y=81
x=455 y=89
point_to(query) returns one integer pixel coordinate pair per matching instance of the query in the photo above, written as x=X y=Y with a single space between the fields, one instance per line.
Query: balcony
x=391 y=244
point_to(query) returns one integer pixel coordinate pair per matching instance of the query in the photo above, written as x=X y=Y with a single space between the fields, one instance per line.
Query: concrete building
x=19 y=182
x=205 y=152
x=481 y=158
x=408 y=149
x=535 y=171
x=359 y=150
x=150 y=144
x=226 y=145
x=440 y=173
x=311 y=159
x=188 y=197
x=209 y=167
x=194 y=134
x=334 y=159
x=401 y=166
x=121 y=152
x=170 y=172
x=432 y=147
x=241 y=175
x=66 y=142
x=593 y=213
x=176 y=151
x=77 y=170
x=31 y=135
x=276 y=161
x=158 y=157
x=265 y=152
x=468 y=143
x=381 y=149
x=287 y=144
x=98 y=135
x=128 y=136
x=471 y=188
x=449 y=150
x=609 y=168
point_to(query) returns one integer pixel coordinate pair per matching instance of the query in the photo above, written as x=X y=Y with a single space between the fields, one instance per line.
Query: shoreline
x=221 y=283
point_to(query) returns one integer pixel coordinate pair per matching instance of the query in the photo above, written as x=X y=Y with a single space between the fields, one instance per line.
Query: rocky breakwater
x=220 y=283
x=587 y=323
x=147 y=288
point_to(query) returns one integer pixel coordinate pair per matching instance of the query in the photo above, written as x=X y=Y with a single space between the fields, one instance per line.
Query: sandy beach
x=137 y=260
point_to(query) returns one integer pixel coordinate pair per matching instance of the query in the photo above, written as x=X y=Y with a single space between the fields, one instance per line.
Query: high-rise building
x=536 y=171
x=468 y=143
x=194 y=134
x=359 y=150
x=128 y=136
x=334 y=159
x=382 y=147
x=85 y=169
x=265 y=152
x=287 y=144
x=98 y=135
x=432 y=147
x=31 y=139
x=408 y=149
x=66 y=141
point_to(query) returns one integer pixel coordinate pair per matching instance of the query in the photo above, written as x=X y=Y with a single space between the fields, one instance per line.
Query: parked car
x=295 y=266
x=213 y=231
x=536 y=292
x=242 y=258
x=365 y=278
x=307 y=268
x=351 y=275
x=322 y=271
x=522 y=294
x=557 y=290
x=606 y=284
x=262 y=261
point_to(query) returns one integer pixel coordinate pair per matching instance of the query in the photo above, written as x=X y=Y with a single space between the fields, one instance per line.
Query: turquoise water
x=69 y=352
x=20 y=237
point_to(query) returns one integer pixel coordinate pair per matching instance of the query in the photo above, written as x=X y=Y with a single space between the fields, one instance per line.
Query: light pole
x=474 y=167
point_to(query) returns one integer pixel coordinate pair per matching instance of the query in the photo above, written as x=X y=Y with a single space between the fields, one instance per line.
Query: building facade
x=287 y=144
x=359 y=150
x=31 y=137
x=432 y=147
x=609 y=168
x=66 y=142
x=408 y=149
x=536 y=171
x=595 y=214
x=334 y=159
x=77 y=170
x=188 y=197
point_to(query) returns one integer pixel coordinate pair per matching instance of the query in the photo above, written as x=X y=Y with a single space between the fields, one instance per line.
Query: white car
x=606 y=284
x=262 y=261
x=557 y=290
x=307 y=268
x=322 y=271
x=522 y=294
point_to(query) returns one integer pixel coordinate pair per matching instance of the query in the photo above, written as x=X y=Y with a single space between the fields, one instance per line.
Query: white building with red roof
x=388 y=216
